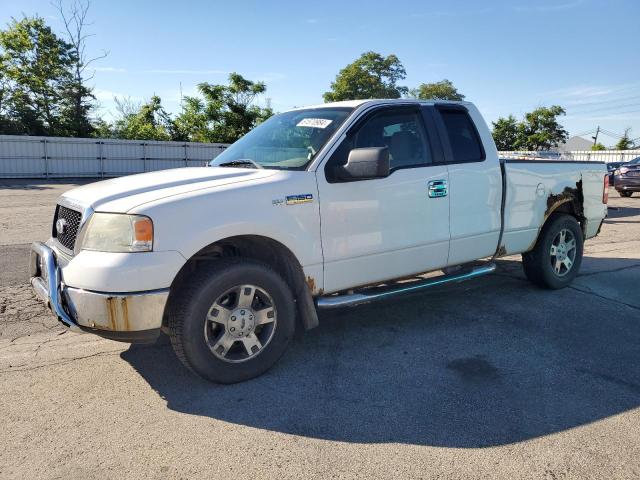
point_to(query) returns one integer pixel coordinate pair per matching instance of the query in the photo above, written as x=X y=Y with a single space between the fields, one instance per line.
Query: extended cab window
x=463 y=137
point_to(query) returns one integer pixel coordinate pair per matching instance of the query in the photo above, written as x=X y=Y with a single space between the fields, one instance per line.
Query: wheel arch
x=569 y=202
x=265 y=250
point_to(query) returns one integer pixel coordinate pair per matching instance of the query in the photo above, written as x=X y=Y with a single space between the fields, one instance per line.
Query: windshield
x=289 y=140
x=635 y=161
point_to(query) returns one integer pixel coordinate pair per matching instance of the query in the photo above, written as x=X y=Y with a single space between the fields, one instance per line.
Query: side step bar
x=352 y=299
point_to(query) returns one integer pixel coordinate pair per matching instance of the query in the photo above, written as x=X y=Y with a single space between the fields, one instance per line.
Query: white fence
x=607 y=156
x=57 y=157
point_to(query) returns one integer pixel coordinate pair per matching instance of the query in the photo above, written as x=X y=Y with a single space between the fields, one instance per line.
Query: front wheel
x=233 y=321
x=625 y=193
x=556 y=258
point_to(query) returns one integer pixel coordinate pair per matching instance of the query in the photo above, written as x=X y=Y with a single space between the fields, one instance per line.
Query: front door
x=380 y=229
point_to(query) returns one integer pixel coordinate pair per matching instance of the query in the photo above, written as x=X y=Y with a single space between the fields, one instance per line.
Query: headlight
x=117 y=232
x=623 y=170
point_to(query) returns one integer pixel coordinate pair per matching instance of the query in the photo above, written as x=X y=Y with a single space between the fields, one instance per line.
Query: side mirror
x=364 y=164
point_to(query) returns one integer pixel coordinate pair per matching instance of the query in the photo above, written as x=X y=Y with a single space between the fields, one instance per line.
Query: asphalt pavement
x=493 y=378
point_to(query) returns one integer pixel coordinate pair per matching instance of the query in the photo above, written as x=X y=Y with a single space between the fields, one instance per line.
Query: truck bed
x=534 y=188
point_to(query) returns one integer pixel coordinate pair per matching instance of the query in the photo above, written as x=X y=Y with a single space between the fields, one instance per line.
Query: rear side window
x=463 y=137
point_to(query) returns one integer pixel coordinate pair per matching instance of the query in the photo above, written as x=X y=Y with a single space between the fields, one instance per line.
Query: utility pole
x=595 y=139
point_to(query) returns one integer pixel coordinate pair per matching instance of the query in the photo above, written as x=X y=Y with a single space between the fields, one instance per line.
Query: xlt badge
x=296 y=199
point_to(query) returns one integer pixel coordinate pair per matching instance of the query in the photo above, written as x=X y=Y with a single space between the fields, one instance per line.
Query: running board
x=352 y=299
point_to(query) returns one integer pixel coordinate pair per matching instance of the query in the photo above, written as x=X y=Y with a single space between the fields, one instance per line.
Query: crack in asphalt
x=613 y=270
x=591 y=292
x=62 y=361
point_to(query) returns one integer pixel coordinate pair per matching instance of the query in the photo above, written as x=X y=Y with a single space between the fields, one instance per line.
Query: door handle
x=438 y=188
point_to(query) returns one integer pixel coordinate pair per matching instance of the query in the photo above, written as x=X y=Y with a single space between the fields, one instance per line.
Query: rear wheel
x=232 y=322
x=556 y=258
x=624 y=193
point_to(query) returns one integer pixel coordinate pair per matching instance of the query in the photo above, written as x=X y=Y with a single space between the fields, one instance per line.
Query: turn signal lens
x=143 y=229
x=605 y=192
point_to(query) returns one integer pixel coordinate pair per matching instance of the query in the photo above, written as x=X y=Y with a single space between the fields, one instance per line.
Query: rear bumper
x=128 y=317
x=629 y=184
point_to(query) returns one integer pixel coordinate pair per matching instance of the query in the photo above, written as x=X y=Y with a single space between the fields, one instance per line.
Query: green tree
x=370 y=76
x=598 y=147
x=540 y=129
x=506 y=133
x=78 y=99
x=442 y=90
x=34 y=68
x=625 y=142
x=224 y=113
x=148 y=121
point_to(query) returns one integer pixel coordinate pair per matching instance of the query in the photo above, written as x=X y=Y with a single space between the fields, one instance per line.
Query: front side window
x=463 y=137
x=401 y=131
x=288 y=141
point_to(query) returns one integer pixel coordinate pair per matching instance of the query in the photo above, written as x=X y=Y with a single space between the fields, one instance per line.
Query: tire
x=625 y=193
x=541 y=265
x=209 y=320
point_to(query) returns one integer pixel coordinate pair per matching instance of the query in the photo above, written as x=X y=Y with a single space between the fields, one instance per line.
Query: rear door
x=380 y=229
x=475 y=182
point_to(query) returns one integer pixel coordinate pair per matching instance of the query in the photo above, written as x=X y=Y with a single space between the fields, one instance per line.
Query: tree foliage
x=539 y=130
x=224 y=113
x=148 y=121
x=625 y=142
x=505 y=133
x=43 y=86
x=598 y=147
x=34 y=72
x=442 y=90
x=78 y=98
x=370 y=76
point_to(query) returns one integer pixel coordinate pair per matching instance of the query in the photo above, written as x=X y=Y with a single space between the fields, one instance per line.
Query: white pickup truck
x=322 y=207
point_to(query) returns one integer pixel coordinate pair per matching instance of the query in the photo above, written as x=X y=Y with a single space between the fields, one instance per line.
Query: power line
x=611 y=134
x=613 y=107
x=603 y=102
x=619 y=113
x=587 y=132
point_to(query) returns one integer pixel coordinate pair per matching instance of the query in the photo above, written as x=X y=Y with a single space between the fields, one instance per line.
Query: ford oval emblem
x=61 y=226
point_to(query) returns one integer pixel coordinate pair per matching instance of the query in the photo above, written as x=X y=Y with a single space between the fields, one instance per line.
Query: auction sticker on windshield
x=314 y=122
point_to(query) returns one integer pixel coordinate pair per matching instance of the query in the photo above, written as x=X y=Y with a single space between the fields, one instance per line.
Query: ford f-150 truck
x=322 y=207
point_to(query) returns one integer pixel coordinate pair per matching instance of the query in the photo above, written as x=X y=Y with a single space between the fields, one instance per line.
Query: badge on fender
x=297 y=199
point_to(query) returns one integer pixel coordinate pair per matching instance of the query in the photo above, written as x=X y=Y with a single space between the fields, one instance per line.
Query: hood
x=124 y=193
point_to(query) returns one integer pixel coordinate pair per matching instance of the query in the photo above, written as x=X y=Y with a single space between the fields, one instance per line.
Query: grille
x=72 y=222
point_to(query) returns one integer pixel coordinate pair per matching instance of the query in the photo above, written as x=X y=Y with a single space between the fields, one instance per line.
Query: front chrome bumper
x=129 y=317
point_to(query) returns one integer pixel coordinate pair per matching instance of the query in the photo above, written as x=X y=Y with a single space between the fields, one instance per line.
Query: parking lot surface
x=493 y=378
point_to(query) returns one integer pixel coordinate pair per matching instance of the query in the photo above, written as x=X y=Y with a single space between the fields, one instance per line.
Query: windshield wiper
x=245 y=162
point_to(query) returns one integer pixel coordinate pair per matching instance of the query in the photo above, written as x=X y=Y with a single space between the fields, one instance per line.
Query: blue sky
x=506 y=56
